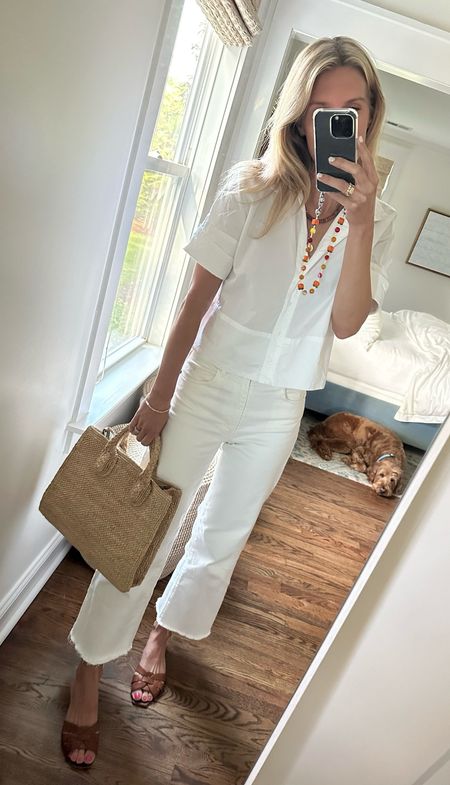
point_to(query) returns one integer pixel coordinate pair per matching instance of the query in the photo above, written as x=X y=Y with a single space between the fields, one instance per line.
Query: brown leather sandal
x=154 y=683
x=75 y=737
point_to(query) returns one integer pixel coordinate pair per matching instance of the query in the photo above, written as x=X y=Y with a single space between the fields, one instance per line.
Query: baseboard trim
x=30 y=583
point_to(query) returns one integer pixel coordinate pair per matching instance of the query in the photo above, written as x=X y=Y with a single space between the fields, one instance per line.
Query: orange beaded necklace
x=309 y=248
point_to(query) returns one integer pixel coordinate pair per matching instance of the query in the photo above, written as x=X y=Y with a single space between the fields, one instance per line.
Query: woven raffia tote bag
x=114 y=512
x=139 y=454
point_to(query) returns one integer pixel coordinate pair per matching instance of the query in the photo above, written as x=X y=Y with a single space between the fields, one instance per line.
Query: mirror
x=392 y=372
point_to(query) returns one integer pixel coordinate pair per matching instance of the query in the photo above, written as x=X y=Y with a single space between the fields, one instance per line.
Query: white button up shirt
x=259 y=325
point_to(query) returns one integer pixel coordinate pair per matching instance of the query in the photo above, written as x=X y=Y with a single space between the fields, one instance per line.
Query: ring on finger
x=350 y=189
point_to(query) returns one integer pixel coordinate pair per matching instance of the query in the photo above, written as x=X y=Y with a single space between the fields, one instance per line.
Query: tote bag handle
x=109 y=456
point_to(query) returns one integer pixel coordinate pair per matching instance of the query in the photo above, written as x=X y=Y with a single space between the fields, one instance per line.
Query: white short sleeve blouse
x=259 y=325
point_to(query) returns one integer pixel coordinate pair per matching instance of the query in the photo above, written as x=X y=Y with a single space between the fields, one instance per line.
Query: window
x=186 y=119
x=136 y=317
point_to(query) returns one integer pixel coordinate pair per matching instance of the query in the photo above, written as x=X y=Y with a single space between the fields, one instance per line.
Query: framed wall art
x=431 y=248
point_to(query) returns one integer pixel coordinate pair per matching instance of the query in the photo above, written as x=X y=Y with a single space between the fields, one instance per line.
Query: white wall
x=433 y=12
x=72 y=82
x=377 y=710
x=420 y=181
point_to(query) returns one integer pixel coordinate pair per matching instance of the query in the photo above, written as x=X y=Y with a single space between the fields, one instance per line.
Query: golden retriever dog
x=371 y=448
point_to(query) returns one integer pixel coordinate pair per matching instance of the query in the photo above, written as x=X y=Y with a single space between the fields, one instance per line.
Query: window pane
x=144 y=253
x=191 y=32
x=173 y=276
x=155 y=209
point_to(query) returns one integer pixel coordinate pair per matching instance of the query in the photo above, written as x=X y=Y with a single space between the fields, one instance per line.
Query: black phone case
x=325 y=144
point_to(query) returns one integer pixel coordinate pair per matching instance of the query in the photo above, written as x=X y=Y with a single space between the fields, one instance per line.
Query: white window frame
x=213 y=105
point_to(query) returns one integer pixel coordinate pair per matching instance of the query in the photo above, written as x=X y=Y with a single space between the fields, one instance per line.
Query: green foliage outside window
x=164 y=142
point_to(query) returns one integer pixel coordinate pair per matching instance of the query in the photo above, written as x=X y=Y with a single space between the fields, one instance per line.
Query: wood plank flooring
x=225 y=693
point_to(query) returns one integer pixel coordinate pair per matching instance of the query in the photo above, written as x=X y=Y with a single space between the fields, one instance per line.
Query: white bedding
x=408 y=365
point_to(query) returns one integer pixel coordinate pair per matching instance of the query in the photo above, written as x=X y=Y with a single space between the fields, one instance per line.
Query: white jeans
x=254 y=426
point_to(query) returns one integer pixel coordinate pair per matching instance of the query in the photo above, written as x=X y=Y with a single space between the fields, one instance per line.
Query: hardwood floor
x=225 y=693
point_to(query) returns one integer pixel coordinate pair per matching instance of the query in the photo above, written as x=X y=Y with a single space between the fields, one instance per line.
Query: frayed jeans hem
x=189 y=635
x=96 y=660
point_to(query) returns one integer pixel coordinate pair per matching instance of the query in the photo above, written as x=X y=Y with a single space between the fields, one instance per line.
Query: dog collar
x=385 y=455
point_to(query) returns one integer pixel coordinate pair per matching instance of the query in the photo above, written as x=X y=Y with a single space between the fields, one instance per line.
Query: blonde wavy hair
x=284 y=166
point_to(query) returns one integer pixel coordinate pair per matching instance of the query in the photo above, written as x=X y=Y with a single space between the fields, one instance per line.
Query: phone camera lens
x=342 y=125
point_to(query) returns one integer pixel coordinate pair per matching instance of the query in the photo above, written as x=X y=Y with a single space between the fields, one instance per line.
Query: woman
x=271 y=286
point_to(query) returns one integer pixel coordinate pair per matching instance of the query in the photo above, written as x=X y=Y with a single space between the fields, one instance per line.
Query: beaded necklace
x=309 y=248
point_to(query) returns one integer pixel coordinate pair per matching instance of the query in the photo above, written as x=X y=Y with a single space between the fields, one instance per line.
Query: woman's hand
x=360 y=205
x=149 y=423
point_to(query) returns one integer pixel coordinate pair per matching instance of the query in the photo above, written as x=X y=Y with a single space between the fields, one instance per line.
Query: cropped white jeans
x=254 y=426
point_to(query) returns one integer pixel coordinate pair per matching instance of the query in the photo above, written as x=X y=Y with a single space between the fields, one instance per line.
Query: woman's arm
x=202 y=289
x=353 y=299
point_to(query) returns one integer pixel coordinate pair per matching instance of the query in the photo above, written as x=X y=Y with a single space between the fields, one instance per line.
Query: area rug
x=303 y=452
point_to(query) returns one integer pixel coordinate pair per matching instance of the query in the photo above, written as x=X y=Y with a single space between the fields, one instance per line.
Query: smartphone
x=335 y=133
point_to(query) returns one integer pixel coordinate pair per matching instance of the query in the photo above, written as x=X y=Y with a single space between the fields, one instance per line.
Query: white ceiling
x=432 y=12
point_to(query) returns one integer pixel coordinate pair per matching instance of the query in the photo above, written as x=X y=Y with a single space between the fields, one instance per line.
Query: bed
x=396 y=371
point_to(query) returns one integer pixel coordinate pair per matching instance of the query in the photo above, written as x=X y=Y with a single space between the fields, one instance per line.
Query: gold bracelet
x=158 y=411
